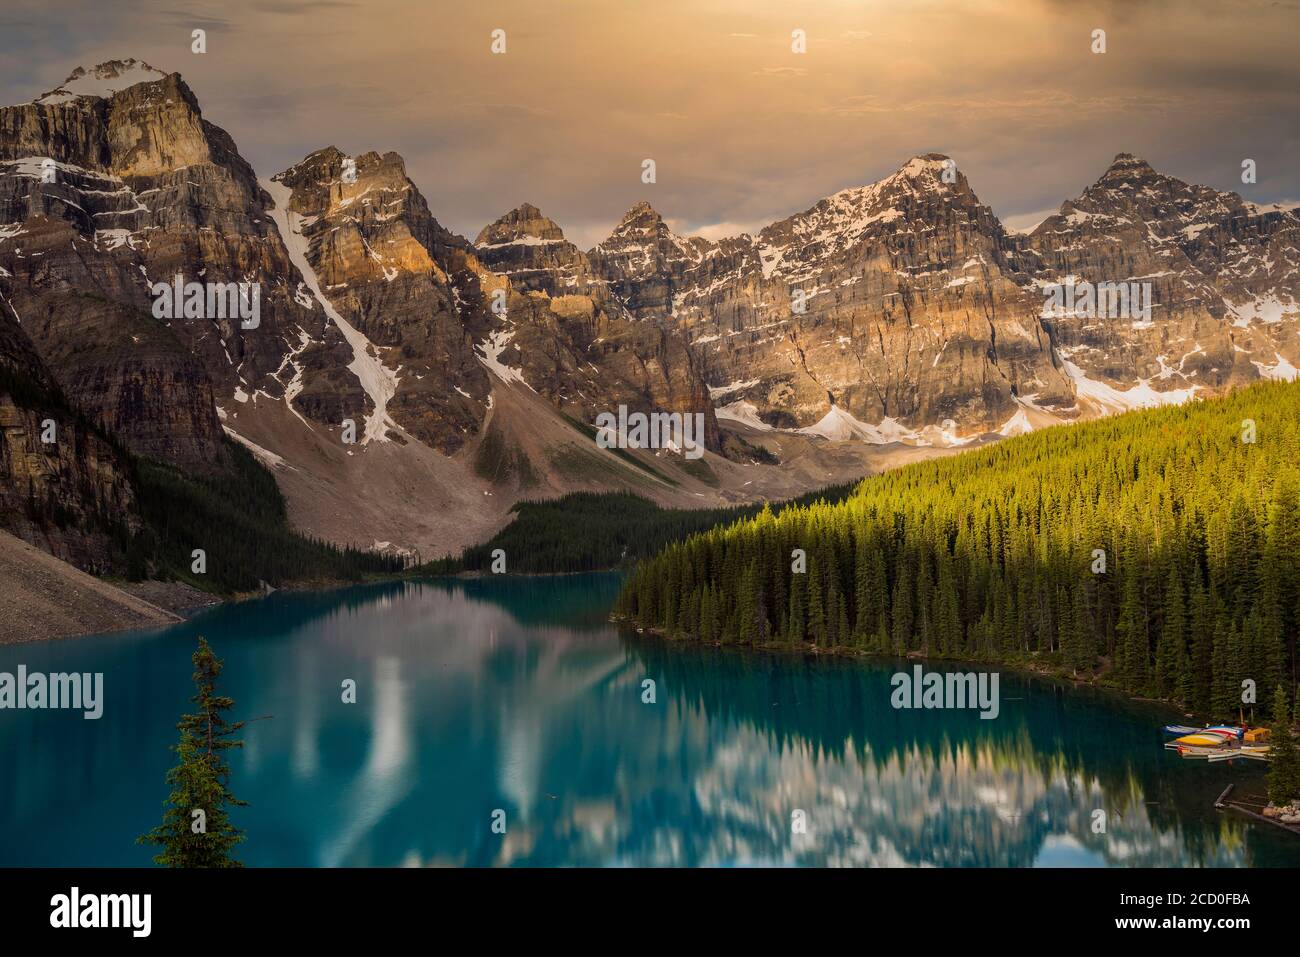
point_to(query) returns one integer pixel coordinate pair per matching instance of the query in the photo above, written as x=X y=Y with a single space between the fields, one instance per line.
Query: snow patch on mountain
x=1267 y=308
x=746 y=413
x=1282 y=369
x=1018 y=424
x=489 y=353
x=839 y=425
x=379 y=382
x=1111 y=399
x=102 y=81
x=265 y=456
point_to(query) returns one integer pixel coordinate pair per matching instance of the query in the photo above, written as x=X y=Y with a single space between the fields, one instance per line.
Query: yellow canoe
x=1202 y=740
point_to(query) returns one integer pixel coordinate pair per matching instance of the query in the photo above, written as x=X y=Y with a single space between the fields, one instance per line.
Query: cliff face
x=72 y=497
x=1223 y=275
x=107 y=191
x=895 y=303
x=367 y=309
x=901 y=311
x=445 y=316
x=904 y=310
x=408 y=285
x=575 y=342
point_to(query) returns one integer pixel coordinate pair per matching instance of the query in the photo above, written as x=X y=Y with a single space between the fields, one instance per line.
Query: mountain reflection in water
x=517 y=694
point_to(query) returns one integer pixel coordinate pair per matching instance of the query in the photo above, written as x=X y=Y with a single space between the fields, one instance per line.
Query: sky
x=743 y=130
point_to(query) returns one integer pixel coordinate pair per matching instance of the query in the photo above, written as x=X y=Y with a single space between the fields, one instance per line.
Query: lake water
x=516 y=694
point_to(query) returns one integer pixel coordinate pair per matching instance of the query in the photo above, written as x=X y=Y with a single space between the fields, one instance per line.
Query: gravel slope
x=43 y=597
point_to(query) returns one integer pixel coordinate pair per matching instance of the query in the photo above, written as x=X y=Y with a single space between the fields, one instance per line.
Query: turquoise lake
x=516 y=694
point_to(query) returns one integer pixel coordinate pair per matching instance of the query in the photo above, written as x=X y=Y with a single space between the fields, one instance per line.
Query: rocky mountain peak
x=1126 y=167
x=123 y=117
x=642 y=220
x=369 y=186
x=328 y=165
x=923 y=179
x=523 y=224
x=924 y=166
x=1131 y=190
x=325 y=162
x=102 y=81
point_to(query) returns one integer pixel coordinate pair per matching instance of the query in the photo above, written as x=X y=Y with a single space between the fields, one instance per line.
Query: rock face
x=72 y=496
x=573 y=341
x=521 y=304
x=109 y=184
x=901 y=311
x=370 y=314
x=409 y=286
x=1223 y=276
x=904 y=310
x=895 y=303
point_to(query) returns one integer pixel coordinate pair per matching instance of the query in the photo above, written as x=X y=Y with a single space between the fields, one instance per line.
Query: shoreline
x=1031 y=669
x=176 y=601
x=44 y=598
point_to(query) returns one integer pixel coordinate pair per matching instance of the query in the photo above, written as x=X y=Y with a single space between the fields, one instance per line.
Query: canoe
x=1208 y=738
x=1179 y=729
x=1225 y=755
x=1253 y=754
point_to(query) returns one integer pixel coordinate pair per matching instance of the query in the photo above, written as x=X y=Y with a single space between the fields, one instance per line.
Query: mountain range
x=406 y=385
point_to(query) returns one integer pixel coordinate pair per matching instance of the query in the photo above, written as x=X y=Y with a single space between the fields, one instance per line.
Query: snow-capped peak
x=103 y=80
x=926 y=164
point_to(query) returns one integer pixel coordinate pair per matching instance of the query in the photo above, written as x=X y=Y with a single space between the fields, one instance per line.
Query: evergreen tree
x=816 y=607
x=1284 y=764
x=797 y=626
x=196 y=830
x=902 y=611
x=1170 y=649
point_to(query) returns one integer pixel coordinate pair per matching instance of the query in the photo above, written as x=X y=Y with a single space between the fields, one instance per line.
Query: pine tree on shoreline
x=1284 y=763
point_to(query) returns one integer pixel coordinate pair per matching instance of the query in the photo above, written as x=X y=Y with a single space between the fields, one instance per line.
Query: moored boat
x=1219 y=742
x=1249 y=752
x=1205 y=738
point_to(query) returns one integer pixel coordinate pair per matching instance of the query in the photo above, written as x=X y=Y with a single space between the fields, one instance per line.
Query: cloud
x=1025 y=222
x=714 y=231
x=1008 y=88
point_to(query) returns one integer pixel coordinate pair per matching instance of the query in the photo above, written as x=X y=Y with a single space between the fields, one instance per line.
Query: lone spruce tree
x=1284 y=764
x=196 y=830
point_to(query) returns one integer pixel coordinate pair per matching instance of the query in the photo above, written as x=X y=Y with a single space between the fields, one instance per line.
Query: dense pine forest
x=1158 y=550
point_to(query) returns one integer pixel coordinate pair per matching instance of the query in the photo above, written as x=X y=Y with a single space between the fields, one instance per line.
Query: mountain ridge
x=900 y=314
